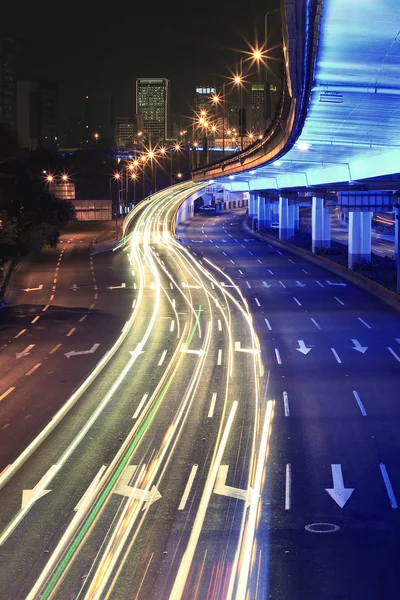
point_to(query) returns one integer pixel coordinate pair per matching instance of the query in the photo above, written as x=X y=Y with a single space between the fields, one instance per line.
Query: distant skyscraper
x=9 y=73
x=126 y=131
x=202 y=99
x=257 y=108
x=153 y=103
x=98 y=120
x=37 y=114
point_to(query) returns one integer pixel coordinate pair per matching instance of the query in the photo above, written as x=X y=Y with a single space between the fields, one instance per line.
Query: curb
x=389 y=297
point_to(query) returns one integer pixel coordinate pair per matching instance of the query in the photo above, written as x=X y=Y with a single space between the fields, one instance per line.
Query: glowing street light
x=151 y=154
x=96 y=136
x=179 y=175
x=64 y=177
x=50 y=178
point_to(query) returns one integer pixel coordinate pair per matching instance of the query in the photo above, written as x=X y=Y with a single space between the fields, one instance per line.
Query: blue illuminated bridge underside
x=352 y=127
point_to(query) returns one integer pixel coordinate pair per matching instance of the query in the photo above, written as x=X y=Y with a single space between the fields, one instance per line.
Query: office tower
x=257 y=108
x=153 y=104
x=9 y=73
x=37 y=114
x=203 y=99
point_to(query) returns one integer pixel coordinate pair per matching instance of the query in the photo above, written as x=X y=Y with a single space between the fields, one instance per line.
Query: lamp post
x=267 y=88
x=117 y=177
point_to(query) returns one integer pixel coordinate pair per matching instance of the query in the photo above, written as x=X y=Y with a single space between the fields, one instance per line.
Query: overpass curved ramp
x=339 y=120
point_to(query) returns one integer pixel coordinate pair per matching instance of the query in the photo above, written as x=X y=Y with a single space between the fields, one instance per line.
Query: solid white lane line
x=20 y=333
x=320 y=284
x=11 y=389
x=286 y=404
x=388 y=485
x=172 y=326
x=268 y=324
x=241 y=272
x=82 y=318
x=212 y=405
x=248 y=285
x=219 y=358
x=364 y=323
x=288 y=486
x=219 y=325
x=315 y=323
x=33 y=369
x=338 y=300
x=335 y=354
x=139 y=408
x=304 y=271
x=70 y=332
x=54 y=350
x=278 y=356
x=35 y=319
x=297 y=302
x=394 y=353
x=162 y=358
x=360 y=404
x=282 y=284
x=45 y=308
x=188 y=487
x=257 y=302
x=269 y=271
x=259 y=261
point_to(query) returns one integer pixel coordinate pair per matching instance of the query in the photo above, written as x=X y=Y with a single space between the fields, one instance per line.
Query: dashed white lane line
x=11 y=389
x=91 y=307
x=45 y=308
x=217 y=246
x=290 y=260
x=279 y=252
x=335 y=354
x=282 y=284
x=319 y=283
x=33 y=369
x=219 y=325
x=232 y=262
x=55 y=280
x=171 y=285
x=52 y=298
x=54 y=350
x=251 y=253
x=364 y=323
x=360 y=404
x=172 y=326
x=304 y=271
x=35 y=319
x=269 y=271
x=394 y=353
x=212 y=405
x=241 y=272
x=139 y=408
x=212 y=285
x=257 y=302
x=288 y=486
x=219 y=357
x=315 y=323
x=286 y=404
x=242 y=245
x=95 y=296
x=260 y=261
x=163 y=355
x=188 y=487
x=82 y=318
x=224 y=253
x=388 y=485
x=248 y=285
x=71 y=331
x=278 y=356
x=19 y=334
x=268 y=324
x=134 y=285
x=297 y=302
x=338 y=300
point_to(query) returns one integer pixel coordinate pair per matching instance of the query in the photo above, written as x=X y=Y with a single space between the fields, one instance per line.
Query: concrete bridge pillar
x=296 y=217
x=268 y=213
x=320 y=224
x=275 y=211
x=396 y=243
x=359 y=237
x=286 y=219
x=261 y=211
x=253 y=205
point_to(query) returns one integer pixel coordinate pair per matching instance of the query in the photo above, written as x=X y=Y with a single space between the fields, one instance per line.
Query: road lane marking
x=219 y=358
x=10 y=389
x=212 y=405
x=297 y=302
x=35 y=319
x=335 y=354
x=95 y=296
x=219 y=325
x=268 y=324
x=290 y=260
x=279 y=252
x=241 y=272
x=257 y=302
x=139 y=408
x=224 y=253
x=269 y=271
x=45 y=308
x=282 y=284
x=82 y=318
x=162 y=358
x=320 y=284
x=251 y=253
x=55 y=280
x=288 y=486
x=51 y=297
x=188 y=487
x=394 y=353
x=278 y=356
x=19 y=334
x=248 y=285
x=71 y=331
x=54 y=350
x=315 y=323
x=388 y=485
x=360 y=404
x=172 y=326
x=340 y=302
x=364 y=323
x=33 y=369
x=232 y=262
x=87 y=495
x=91 y=307
x=304 y=271
x=286 y=404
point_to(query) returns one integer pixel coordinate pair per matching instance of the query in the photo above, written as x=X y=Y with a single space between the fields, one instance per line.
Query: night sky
x=87 y=49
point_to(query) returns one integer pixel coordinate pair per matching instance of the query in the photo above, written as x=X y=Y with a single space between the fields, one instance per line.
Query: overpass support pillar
x=267 y=213
x=320 y=224
x=286 y=219
x=396 y=243
x=275 y=211
x=359 y=237
x=296 y=217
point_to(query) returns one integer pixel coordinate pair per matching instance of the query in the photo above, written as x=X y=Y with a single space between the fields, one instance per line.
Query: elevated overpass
x=336 y=135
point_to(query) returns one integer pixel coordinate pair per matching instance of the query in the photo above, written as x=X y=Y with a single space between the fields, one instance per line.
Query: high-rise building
x=98 y=120
x=257 y=108
x=126 y=130
x=37 y=114
x=153 y=103
x=9 y=73
x=202 y=99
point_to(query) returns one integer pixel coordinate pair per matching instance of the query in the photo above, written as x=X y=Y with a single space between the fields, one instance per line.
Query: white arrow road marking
x=188 y=487
x=74 y=287
x=332 y=283
x=148 y=496
x=117 y=287
x=266 y=285
x=394 y=354
x=138 y=350
x=89 y=492
x=74 y=353
x=364 y=323
x=299 y=284
x=200 y=352
x=249 y=350
x=24 y=352
x=33 y=289
x=357 y=346
x=122 y=486
x=222 y=489
x=339 y=493
x=360 y=404
x=388 y=485
x=302 y=347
